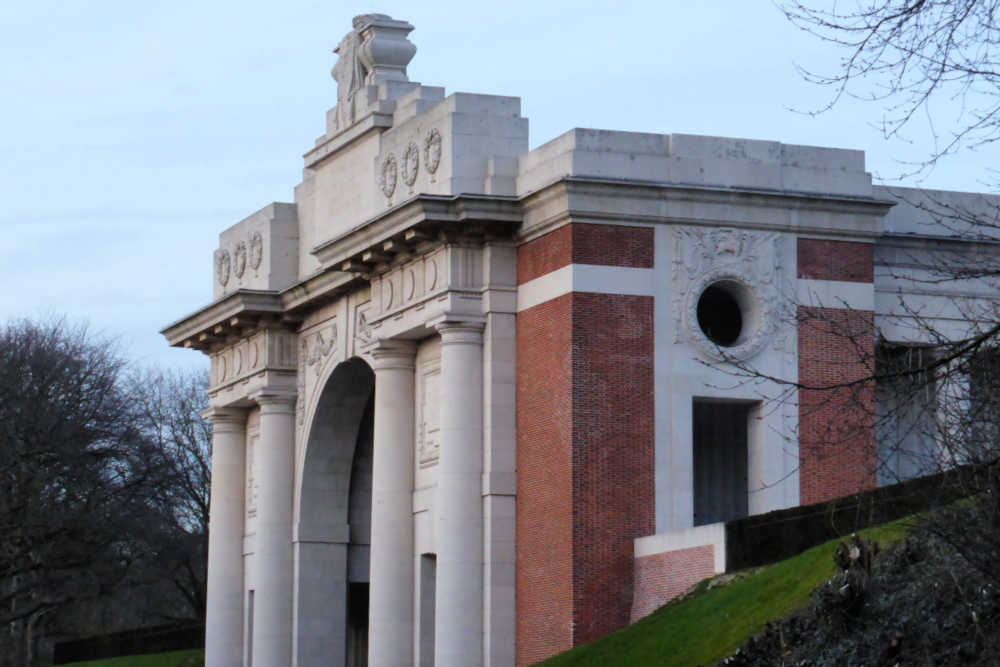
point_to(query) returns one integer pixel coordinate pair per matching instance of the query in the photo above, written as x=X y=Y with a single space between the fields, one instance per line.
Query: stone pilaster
x=272 y=626
x=390 y=640
x=224 y=604
x=458 y=630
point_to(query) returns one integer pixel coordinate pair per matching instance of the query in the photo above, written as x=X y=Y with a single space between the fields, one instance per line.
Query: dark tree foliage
x=103 y=491
x=169 y=406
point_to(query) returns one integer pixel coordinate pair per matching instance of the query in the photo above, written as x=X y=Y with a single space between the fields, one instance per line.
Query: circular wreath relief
x=411 y=163
x=240 y=259
x=256 y=250
x=387 y=175
x=757 y=318
x=432 y=150
x=222 y=265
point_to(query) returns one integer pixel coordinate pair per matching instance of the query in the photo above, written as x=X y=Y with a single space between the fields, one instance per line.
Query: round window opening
x=722 y=312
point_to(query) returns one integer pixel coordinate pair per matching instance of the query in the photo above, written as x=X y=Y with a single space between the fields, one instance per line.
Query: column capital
x=459 y=329
x=225 y=419
x=275 y=402
x=391 y=353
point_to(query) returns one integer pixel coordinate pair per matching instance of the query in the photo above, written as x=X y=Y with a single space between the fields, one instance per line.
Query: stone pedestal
x=224 y=604
x=390 y=639
x=458 y=630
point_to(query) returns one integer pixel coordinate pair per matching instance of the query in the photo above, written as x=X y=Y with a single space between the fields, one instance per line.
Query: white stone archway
x=332 y=535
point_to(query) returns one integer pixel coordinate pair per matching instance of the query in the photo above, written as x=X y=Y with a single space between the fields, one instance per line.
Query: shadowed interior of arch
x=334 y=520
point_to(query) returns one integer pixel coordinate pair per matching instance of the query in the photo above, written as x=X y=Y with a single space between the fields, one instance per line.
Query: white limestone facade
x=417 y=367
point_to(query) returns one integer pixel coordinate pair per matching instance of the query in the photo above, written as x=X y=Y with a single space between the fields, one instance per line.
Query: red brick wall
x=837 y=415
x=582 y=243
x=544 y=577
x=660 y=578
x=545 y=254
x=585 y=443
x=836 y=352
x=613 y=454
x=848 y=261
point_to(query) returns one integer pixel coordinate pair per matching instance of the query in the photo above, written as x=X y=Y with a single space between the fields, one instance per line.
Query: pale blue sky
x=133 y=133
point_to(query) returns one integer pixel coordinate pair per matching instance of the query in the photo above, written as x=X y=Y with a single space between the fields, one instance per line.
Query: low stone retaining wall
x=668 y=564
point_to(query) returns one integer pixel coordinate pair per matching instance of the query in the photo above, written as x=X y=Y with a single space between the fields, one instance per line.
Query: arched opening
x=334 y=523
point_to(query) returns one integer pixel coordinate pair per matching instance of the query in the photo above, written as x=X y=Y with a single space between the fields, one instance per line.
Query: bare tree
x=104 y=481
x=933 y=60
x=169 y=405
x=928 y=384
x=71 y=467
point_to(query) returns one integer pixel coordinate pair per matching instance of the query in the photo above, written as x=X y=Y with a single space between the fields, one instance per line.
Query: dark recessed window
x=719 y=314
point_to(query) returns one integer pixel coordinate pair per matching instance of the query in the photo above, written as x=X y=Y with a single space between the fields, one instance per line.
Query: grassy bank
x=712 y=622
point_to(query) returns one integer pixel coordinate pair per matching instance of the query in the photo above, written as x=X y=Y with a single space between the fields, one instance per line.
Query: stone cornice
x=372 y=246
x=581 y=199
x=229 y=317
x=348 y=261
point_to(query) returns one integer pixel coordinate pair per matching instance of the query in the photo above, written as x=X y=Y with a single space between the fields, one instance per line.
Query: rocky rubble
x=918 y=603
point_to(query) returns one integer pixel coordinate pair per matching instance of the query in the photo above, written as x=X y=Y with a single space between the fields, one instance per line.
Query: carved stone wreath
x=432 y=150
x=240 y=259
x=387 y=175
x=760 y=326
x=222 y=266
x=256 y=250
x=411 y=164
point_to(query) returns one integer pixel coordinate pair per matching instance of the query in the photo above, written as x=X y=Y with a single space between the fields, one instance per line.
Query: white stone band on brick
x=836 y=294
x=585 y=278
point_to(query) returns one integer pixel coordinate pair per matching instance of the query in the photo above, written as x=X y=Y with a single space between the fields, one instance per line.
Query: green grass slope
x=711 y=622
x=188 y=658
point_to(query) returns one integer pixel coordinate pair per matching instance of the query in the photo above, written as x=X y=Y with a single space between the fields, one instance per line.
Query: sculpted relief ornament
x=240 y=259
x=375 y=50
x=222 y=266
x=349 y=73
x=387 y=175
x=411 y=164
x=237 y=258
x=256 y=250
x=748 y=264
x=428 y=414
x=432 y=151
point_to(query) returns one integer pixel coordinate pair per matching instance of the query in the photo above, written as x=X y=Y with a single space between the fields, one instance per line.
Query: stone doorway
x=720 y=441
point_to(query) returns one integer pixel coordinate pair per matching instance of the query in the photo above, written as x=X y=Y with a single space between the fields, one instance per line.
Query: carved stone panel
x=748 y=260
x=407 y=286
x=238 y=360
x=251 y=474
x=316 y=346
x=428 y=413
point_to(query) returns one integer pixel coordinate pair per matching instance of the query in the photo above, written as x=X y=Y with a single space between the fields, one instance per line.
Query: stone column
x=458 y=633
x=224 y=603
x=272 y=623
x=390 y=639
